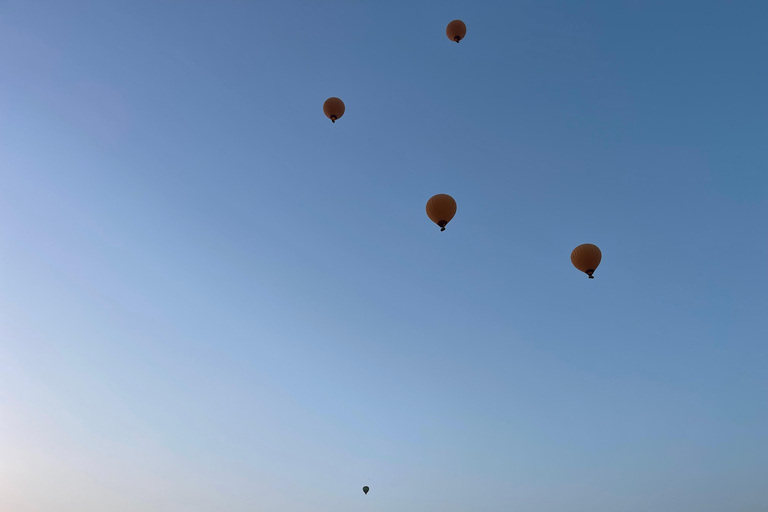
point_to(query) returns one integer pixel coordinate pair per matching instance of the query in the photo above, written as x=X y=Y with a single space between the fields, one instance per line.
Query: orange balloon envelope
x=333 y=108
x=586 y=258
x=456 y=30
x=441 y=209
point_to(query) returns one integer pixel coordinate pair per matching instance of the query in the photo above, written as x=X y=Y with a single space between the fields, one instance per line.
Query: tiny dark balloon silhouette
x=366 y=489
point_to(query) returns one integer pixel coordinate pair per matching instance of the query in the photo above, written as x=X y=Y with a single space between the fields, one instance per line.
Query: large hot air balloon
x=333 y=108
x=456 y=30
x=441 y=209
x=366 y=489
x=586 y=258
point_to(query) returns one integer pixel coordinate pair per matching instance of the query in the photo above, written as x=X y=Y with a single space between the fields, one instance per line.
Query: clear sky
x=212 y=298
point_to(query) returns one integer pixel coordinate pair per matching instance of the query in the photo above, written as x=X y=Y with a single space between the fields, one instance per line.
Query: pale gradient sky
x=212 y=298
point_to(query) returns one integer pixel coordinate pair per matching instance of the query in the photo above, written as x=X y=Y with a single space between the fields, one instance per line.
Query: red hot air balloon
x=456 y=30
x=334 y=109
x=586 y=258
x=440 y=209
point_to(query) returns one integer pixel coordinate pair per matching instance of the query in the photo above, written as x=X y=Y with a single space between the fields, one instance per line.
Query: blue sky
x=213 y=298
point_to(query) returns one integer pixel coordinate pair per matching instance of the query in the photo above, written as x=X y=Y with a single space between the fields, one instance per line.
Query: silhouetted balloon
x=456 y=30
x=441 y=209
x=366 y=489
x=586 y=258
x=333 y=108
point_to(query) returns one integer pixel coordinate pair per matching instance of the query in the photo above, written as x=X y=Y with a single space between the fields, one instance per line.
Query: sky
x=213 y=298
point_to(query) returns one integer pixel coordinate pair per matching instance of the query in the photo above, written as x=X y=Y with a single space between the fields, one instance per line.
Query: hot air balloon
x=333 y=108
x=366 y=489
x=441 y=209
x=456 y=30
x=586 y=258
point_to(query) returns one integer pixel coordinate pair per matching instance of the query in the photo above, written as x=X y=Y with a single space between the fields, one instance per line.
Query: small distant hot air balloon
x=366 y=489
x=586 y=258
x=441 y=209
x=456 y=30
x=333 y=108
